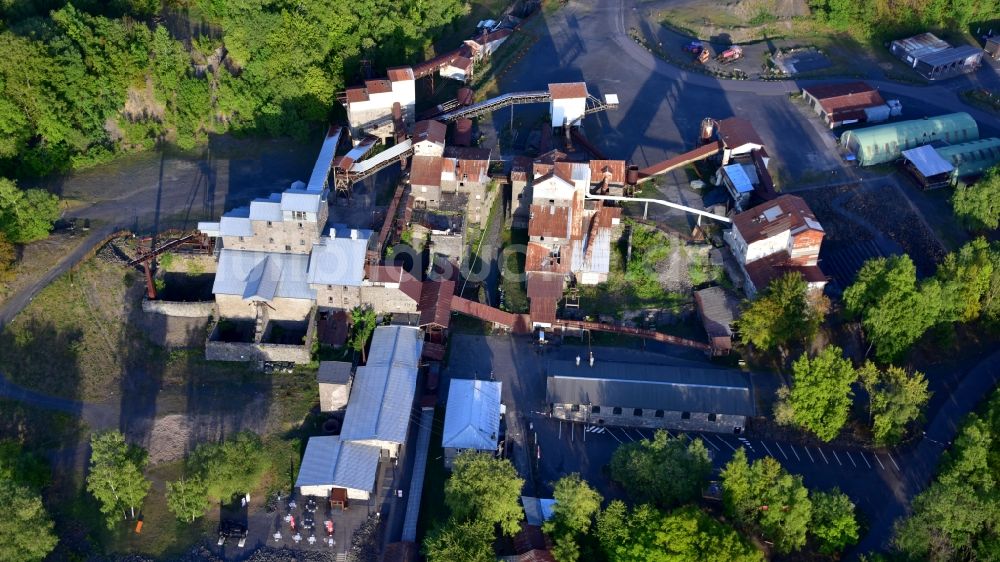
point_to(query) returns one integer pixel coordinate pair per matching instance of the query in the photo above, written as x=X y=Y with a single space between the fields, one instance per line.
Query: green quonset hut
x=885 y=143
x=972 y=158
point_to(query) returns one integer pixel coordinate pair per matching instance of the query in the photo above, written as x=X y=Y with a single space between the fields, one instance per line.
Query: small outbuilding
x=334 y=379
x=852 y=102
x=330 y=462
x=718 y=309
x=927 y=167
x=472 y=418
x=934 y=58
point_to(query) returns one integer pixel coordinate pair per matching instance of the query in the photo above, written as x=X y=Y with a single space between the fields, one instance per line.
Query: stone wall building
x=654 y=396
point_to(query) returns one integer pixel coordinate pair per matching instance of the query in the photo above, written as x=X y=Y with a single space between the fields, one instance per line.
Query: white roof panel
x=210 y=228
x=321 y=170
x=266 y=209
x=301 y=200
x=927 y=161
x=262 y=275
x=236 y=223
x=472 y=418
x=340 y=260
x=382 y=394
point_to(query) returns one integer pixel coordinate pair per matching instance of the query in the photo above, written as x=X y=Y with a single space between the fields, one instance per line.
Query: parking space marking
x=703 y=440
x=612 y=433
x=852 y=459
x=824 y=455
x=769 y=453
x=879 y=460
x=726 y=443
x=782 y=450
x=797 y=457
x=625 y=431
x=888 y=454
x=864 y=458
x=810 y=454
x=836 y=457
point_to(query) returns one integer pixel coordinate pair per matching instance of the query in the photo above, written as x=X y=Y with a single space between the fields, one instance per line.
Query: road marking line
x=893 y=461
x=810 y=454
x=824 y=456
x=852 y=459
x=836 y=457
x=709 y=442
x=769 y=453
x=782 y=450
x=726 y=443
x=879 y=460
x=797 y=457
x=864 y=458
x=612 y=433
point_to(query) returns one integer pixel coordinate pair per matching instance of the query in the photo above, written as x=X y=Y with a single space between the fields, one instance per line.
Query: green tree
x=833 y=523
x=576 y=505
x=187 y=498
x=978 y=205
x=232 y=467
x=894 y=310
x=7 y=257
x=26 y=216
x=27 y=530
x=470 y=541
x=895 y=398
x=764 y=496
x=485 y=488
x=115 y=477
x=784 y=314
x=665 y=470
x=22 y=466
x=649 y=535
x=966 y=279
x=820 y=397
x=362 y=327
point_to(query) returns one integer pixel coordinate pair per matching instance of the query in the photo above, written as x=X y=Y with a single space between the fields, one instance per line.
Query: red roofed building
x=842 y=104
x=778 y=236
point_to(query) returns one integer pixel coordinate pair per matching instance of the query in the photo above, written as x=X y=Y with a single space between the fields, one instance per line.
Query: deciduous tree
x=978 y=205
x=893 y=308
x=820 y=397
x=967 y=277
x=26 y=216
x=833 y=522
x=187 y=498
x=27 y=530
x=115 y=477
x=784 y=314
x=232 y=467
x=665 y=470
x=485 y=488
x=895 y=398
x=362 y=327
x=574 y=510
x=470 y=540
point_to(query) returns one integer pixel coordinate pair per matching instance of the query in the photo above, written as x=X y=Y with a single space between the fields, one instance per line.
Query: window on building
x=637 y=412
x=269 y=224
x=658 y=413
x=300 y=225
x=329 y=287
x=288 y=248
x=575 y=408
x=711 y=417
x=302 y=242
x=329 y=300
x=685 y=415
x=299 y=216
x=595 y=409
x=270 y=240
x=617 y=411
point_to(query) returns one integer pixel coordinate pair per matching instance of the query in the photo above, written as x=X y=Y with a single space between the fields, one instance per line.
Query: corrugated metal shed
x=735 y=132
x=718 y=311
x=919 y=45
x=262 y=275
x=927 y=161
x=952 y=55
x=972 y=158
x=382 y=395
x=654 y=387
x=472 y=417
x=885 y=143
x=340 y=258
x=331 y=461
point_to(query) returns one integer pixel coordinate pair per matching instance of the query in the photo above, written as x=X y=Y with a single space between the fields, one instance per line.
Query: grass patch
x=515 y=295
x=485 y=84
x=433 y=511
x=36 y=429
x=72 y=341
x=983 y=99
x=40 y=257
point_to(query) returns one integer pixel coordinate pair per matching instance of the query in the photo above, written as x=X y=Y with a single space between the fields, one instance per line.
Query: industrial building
x=774 y=238
x=935 y=59
x=927 y=167
x=345 y=467
x=885 y=143
x=644 y=395
x=853 y=102
x=471 y=418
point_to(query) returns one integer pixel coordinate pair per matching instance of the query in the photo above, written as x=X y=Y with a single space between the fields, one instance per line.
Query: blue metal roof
x=262 y=275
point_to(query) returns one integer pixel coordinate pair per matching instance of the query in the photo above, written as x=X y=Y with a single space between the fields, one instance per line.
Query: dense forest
x=879 y=18
x=82 y=81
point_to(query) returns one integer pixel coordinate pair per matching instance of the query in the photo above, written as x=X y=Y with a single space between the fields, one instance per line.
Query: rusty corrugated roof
x=545 y=285
x=614 y=170
x=569 y=90
x=378 y=86
x=429 y=130
x=543 y=310
x=549 y=220
x=737 y=131
x=539 y=258
x=844 y=101
x=400 y=73
x=766 y=220
x=426 y=170
x=356 y=94
x=435 y=302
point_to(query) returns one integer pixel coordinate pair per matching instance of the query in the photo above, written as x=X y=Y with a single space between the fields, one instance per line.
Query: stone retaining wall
x=240 y=351
x=201 y=309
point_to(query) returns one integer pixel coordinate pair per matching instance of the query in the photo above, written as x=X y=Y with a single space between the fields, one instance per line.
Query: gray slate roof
x=654 y=387
x=340 y=258
x=262 y=275
x=382 y=393
x=334 y=372
x=330 y=461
